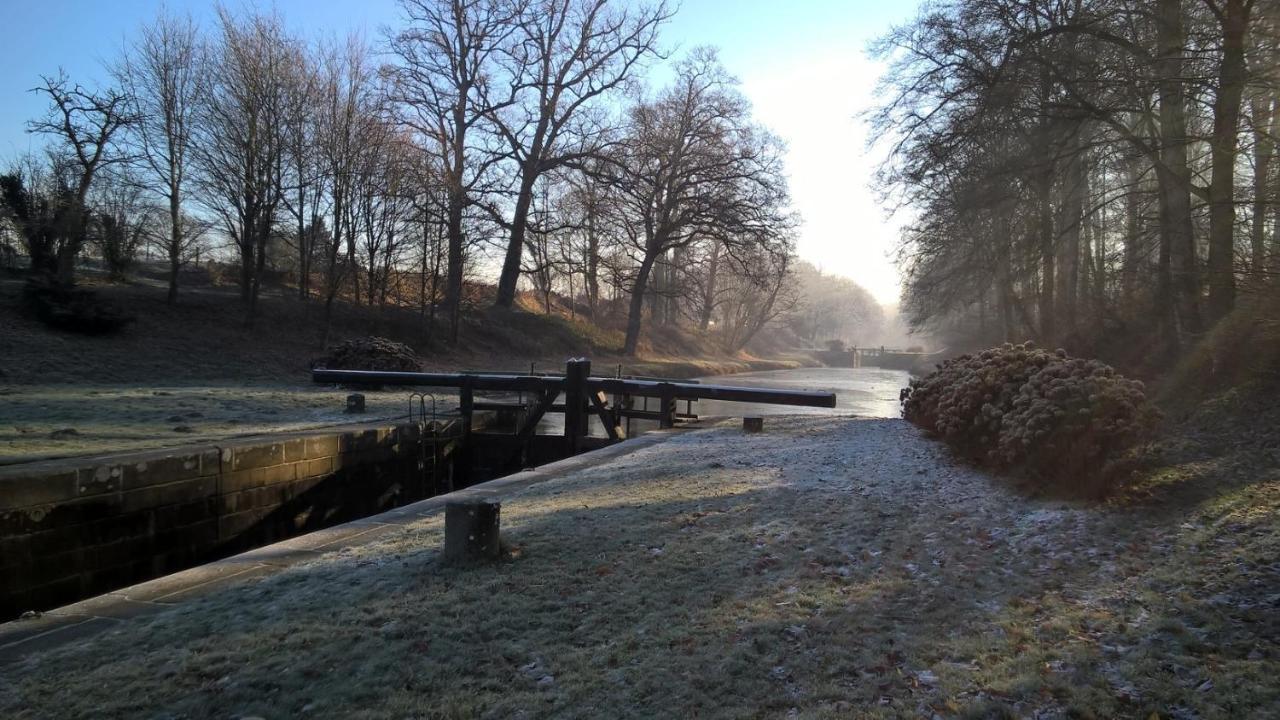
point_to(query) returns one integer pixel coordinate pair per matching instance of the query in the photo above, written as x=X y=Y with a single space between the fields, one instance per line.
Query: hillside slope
x=195 y=372
x=204 y=338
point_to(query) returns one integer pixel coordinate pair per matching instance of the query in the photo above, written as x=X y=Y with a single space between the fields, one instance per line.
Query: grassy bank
x=63 y=420
x=829 y=568
x=196 y=372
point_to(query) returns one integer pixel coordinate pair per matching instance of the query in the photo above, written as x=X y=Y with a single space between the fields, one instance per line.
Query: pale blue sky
x=802 y=63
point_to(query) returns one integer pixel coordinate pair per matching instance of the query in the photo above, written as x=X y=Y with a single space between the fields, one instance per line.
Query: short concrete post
x=753 y=424
x=355 y=404
x=471 y=531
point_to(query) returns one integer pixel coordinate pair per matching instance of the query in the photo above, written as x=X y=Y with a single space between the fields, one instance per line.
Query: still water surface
x=869 y=392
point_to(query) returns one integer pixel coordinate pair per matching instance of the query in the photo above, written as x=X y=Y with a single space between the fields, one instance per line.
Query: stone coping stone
x=79 y=621
x=52 y=464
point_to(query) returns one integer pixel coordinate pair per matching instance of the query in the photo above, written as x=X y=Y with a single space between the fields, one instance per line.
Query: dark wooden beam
x=612 y=386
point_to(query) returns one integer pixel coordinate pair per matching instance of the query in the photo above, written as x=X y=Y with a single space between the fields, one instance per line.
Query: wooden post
x=355 y=404
x=576 y=373
x=628 y=403
x=753 y=424
x=471 y=531
x=466 y=406
x=466 y=409
x=667 y=402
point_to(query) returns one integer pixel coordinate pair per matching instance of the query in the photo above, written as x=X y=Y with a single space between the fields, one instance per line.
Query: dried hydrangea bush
x=1057 y=419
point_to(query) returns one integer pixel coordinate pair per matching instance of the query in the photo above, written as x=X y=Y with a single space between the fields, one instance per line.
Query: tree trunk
x=304 y=253
x=1264 y=125
x=1070 y=218
x=635 y=314
x=1004 y=282
x=453 y=279
x=593 y=261
x=1046 y=241
x=76 y=230
x=246 y=260
x=260 y=262
x=515 y=245
x=1226 y=126
x=709 y=292
x=175 y=244
x=1098 y=234
x=1048 y=254
x=1132 y=248
x=1179 y=281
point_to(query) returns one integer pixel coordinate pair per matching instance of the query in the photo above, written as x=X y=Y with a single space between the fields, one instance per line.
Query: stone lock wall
x=75 y=528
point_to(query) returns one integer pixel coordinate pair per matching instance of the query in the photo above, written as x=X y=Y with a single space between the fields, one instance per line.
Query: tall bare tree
x=243 y=137
x=564 y=56
x=165 y=74
x=349 y=110
x=445 y=61
x=1233 y=16
x=306 y=180
x=694 y=166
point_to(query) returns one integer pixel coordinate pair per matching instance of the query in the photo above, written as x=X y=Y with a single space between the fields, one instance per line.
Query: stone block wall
x=74 y=528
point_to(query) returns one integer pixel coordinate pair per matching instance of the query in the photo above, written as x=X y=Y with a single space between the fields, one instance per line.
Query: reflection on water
x=869 y=392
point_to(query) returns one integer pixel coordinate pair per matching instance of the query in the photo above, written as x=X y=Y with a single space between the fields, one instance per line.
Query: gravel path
x=831 y=567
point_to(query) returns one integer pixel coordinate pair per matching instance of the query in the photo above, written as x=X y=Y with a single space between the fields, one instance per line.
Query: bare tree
x=348 y=111
x=243 y=138
x=306 y=180
x=165 y=74
x=85 y=124
x=694 y=166
x=120 y=221
x=383 y=201
x=445 y=59
x=762 y=292
x=1233 y=16
x=565 y=55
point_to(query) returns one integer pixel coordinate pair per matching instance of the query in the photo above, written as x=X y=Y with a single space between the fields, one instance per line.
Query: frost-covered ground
x=831 y=567
x=38 y=421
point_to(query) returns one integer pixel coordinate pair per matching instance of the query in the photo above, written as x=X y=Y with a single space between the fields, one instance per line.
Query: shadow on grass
x=680 y=595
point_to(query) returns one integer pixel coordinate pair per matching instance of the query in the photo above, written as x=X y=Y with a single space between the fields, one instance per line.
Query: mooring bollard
x=471 y=531
x=355 y=404
x=753 y=424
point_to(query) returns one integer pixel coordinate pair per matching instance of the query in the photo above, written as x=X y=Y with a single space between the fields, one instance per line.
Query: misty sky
x=802 y=63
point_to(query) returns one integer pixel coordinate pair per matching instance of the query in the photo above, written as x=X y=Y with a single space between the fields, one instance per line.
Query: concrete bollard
x=753 y=424
x=471 y=531
x=355 y=404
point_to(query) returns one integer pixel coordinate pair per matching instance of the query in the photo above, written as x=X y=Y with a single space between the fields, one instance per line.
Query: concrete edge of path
x=20 y=639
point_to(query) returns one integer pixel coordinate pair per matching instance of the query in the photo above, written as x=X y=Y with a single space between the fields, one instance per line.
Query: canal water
x=869 y=392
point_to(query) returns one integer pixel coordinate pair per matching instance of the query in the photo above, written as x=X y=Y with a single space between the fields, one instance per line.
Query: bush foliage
x=1060 y=420
x=370 y=353
x=73 y=309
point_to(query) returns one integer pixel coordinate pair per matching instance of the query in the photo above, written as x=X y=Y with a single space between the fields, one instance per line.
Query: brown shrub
x=370 y=353
x=1056 y=419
